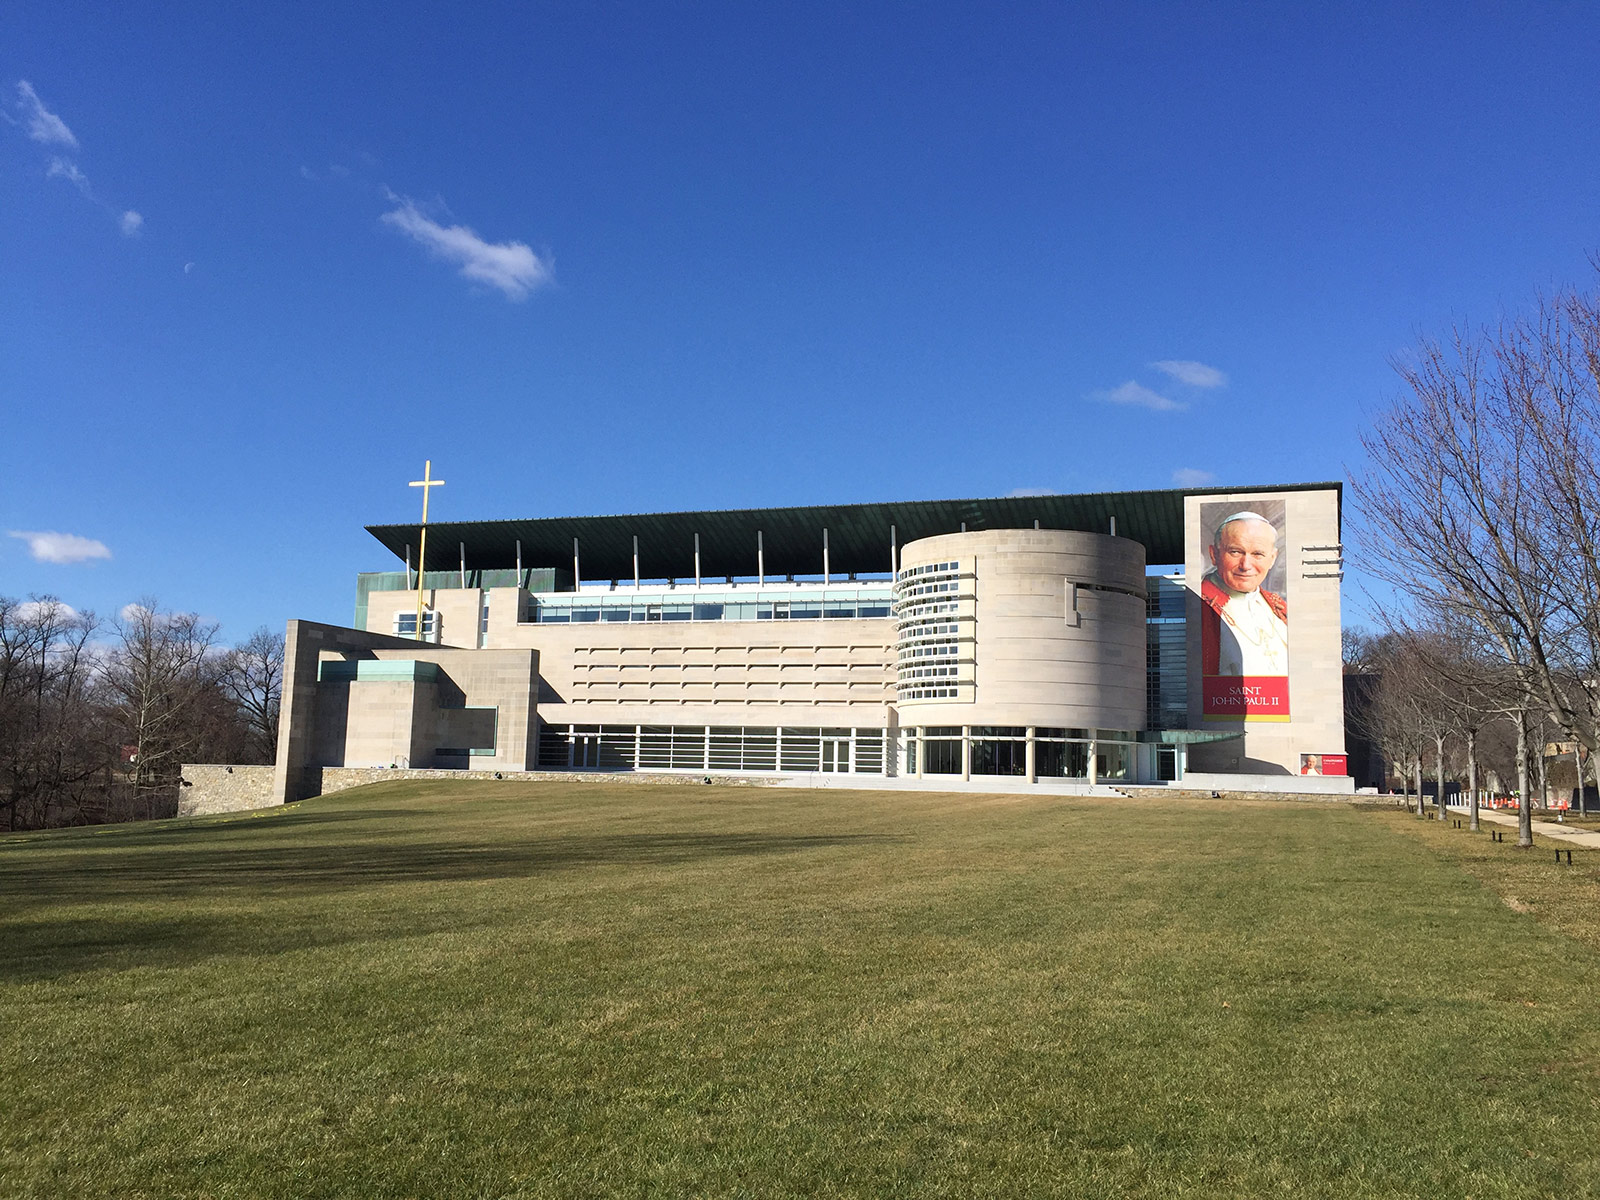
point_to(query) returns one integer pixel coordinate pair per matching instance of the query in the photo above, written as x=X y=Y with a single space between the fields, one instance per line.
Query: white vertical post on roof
x=636 y=560
x=408 y=566
x=577 y=579
x=697 y=560
x=519 y=562
x=894 y=551
x=826 y=578
x=1113 y=526
x=761 y=558
x=463 y=564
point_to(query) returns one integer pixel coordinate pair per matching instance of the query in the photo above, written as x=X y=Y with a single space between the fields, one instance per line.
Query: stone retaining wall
x=219 y=788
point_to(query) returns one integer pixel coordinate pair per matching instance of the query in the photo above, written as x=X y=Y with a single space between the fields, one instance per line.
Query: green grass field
x=515 y=989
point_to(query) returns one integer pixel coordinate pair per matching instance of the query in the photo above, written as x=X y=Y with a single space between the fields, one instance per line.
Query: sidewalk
x=1566 y=835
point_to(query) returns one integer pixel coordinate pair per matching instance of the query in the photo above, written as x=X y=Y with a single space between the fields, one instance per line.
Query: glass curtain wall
x=798 y=749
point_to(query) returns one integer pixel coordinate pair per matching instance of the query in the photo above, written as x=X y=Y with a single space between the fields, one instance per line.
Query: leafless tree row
x=95 y=720
x=1480 y=504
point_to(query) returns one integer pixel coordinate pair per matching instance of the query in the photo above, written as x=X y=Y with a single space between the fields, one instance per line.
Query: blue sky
x=254 y=268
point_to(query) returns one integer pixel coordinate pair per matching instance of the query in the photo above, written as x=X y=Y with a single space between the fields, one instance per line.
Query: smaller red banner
x=1324 y=764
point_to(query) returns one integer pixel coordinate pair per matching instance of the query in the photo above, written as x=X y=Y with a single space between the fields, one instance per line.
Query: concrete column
x=920 y=748
x=1032 y=758
x=1094 y=773
x=966 y=752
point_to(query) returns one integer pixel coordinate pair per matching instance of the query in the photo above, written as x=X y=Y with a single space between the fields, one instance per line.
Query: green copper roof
x=858 y=534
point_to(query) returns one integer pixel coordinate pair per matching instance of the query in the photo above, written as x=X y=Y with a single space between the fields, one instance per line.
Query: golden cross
x=424 y=483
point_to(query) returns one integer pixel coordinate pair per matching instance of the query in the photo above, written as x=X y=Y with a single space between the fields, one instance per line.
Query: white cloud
x=1139 y=396
x=1192 y=477
x=1195 y=374
x=133 y=612
x=29 y=609
x=55 y=547
x=43 y=125
x=61 y=168
x=1022 y=493
x=510 y=266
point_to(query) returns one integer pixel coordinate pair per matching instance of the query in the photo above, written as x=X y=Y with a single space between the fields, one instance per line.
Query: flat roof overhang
x=858 y=534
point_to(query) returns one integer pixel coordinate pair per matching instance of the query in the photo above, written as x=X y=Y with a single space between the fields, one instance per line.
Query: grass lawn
x=515 y=989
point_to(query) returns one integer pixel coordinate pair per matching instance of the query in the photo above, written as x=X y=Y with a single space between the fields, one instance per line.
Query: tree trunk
x=1438 y=772
x=1524 y=805
x=1594 y=767
x=1543 y=773
x=1416 y=774
x=1472 y=780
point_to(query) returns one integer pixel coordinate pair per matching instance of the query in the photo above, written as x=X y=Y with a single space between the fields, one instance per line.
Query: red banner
x=1324 y=764
x=1247 y=697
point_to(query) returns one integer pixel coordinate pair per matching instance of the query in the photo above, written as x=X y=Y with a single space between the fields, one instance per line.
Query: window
x=812 y=605
x=405 y=624
x=941 y=756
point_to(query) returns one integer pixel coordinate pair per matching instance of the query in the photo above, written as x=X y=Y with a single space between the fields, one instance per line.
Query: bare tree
x=254 y=681
x=160 y=675
x=1480 y=502
x=51 y=751
x=1397 y=718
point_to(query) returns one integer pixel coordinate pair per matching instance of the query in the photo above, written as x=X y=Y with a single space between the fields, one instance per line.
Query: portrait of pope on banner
x=1244 y=630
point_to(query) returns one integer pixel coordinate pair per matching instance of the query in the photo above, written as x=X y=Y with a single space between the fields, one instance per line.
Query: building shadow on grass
x=195 y=900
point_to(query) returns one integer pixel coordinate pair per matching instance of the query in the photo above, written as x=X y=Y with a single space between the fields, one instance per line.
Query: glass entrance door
x=836 y=754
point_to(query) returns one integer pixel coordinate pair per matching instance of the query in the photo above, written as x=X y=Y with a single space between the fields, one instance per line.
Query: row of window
x=927 y=628
x=945 y=649
x=712 y=748
x=1020 y=733
x=942 y=672
x=903 y=594
x=547 y=613
x=929 y=569
x=1004 y=751
x=911 y=613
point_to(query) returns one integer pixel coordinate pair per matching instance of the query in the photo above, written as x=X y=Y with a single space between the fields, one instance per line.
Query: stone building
x=1053 y=639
